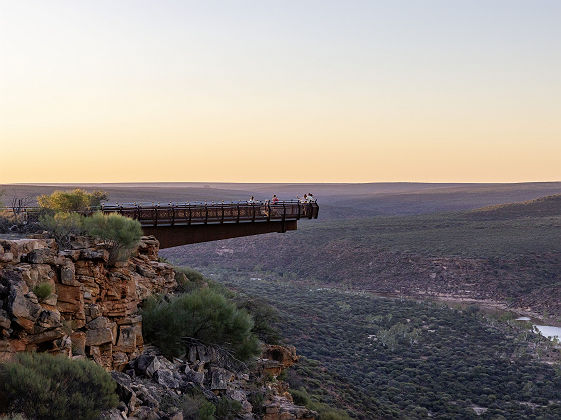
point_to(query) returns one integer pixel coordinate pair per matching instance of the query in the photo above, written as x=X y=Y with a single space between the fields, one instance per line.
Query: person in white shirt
x=311 y=198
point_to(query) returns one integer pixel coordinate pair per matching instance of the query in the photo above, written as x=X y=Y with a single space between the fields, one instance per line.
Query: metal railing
x=177 y=214
x=172 y=214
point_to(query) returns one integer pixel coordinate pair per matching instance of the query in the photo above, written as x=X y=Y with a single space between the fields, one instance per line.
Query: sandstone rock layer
x=93 y=308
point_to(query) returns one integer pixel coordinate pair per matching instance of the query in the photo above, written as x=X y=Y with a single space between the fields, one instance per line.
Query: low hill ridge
x=540 y=207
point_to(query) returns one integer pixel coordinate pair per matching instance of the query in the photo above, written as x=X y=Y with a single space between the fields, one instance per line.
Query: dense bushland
x=383 y=358
x=43 y=386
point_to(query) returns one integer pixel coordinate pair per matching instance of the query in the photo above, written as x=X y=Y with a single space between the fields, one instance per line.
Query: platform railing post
x=283 y=217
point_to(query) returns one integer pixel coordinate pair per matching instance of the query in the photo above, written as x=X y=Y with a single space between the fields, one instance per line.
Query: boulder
x=127 y=338
x=5 y=322
x=78 y=339
x=166 y=378
x=95 y=255
x=219 y=378
x=68 y=274
x=124 y=390
x=42 y=256
x=276 y=358
x=146 y=365
x=23 y=305
x=195 y=377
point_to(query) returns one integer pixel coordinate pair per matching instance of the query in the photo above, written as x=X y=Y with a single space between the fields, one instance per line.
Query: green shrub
x=189 y=279
x=204 y=315
x=264 y=315
x=75 y=200
x=43 y=386
x=123 y=233
x=227 y=408
x=256 y=399
x=120 y=230
x=197 y=408
x=62 y=225
x=43 y=291
x=301 y=397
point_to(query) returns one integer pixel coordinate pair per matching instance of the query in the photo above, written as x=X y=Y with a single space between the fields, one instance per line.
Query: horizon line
x=283 y=182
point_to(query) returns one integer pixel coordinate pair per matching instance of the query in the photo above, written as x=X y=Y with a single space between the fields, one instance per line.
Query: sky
x=280 y=91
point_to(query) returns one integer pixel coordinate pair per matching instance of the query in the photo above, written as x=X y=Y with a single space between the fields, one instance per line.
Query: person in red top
x=275 y=199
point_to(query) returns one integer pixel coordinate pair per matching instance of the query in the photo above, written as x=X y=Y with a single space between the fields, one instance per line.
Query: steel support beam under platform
x=170 y=236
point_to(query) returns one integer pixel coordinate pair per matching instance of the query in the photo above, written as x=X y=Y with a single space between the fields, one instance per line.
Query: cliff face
x=93 y=309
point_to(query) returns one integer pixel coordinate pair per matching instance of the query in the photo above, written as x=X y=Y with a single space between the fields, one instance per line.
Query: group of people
x=307 y=198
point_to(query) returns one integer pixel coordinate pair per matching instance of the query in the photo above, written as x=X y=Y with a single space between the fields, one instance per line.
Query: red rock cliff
x=93 y=309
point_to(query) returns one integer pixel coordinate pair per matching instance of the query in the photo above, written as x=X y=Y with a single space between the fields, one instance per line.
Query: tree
x=75 y=200
x=204 y=315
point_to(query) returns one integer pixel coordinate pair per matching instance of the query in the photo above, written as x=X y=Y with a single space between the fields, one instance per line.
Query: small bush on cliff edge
x=43 y=291
x=62 y=225
x=75 y=200
x=43 y=386
x=123 y=233
x=204 y=315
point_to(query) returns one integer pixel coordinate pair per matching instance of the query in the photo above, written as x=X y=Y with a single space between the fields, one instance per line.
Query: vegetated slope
x=540 y=207
x=384 y=358
x=512 y=259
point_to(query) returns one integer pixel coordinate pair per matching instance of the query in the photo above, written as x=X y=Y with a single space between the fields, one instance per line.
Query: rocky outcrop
x=150 y=380
x=277 y=358
x=93 y=308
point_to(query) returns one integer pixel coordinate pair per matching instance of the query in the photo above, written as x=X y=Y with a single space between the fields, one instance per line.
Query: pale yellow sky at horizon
x=300 y=92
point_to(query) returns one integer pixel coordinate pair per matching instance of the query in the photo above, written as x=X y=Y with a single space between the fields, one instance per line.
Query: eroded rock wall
x=93 y=309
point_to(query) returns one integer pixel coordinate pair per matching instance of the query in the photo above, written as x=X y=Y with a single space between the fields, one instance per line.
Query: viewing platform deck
x=176 y=224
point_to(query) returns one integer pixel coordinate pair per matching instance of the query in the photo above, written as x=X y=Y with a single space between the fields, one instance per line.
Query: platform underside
x=170 y=236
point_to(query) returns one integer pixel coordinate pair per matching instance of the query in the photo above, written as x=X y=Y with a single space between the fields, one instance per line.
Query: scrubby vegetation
x=379 y=357
x=62 y=225
x=515 y=260
x=66 y=213
x=69 y=201
x=43 y=386
x=203 y=314
x=301 y=397
x=189 y=279
x=122 y=233
x=197 y=407
x=43 y=291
